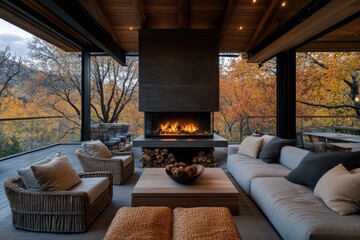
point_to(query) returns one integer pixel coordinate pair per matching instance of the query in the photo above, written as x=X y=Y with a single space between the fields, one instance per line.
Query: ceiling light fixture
x=283 y=4
x=254 y=1
x=241 y=28
x=130 y=28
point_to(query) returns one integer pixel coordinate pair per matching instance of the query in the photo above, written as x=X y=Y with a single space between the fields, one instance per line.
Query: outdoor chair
x=124 y=131
x=121 y=164
x=319 y=143
x=58 y=211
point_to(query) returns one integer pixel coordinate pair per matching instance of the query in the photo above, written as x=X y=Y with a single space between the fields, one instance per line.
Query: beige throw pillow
x=339 y=189
x=96 y=149
x=266 y=139
x=56 y=175
x=251 y=146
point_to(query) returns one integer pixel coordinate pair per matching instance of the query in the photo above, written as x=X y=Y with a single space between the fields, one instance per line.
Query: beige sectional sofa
x=293 y=209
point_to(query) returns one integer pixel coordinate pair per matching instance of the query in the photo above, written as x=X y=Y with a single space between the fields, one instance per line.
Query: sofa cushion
x=291 y=157
x=244 y=169
x=339 y=189
x=151 y=223
x=251 y=146
x=297 y=214
x=314 y=165
x=27 y=175
x=270 y=153
x=96 y=149
x=93 y=186
x=56 y=175
x=203 y=223
x=127 y=159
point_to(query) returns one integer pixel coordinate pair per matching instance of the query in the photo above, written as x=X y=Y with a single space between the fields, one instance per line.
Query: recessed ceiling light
x=241 y=28
x=254 y=1
x=283 y=4
x=130 y=28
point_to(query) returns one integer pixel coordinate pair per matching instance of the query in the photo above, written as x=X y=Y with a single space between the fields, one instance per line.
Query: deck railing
x=267 y=124
x=34 y=132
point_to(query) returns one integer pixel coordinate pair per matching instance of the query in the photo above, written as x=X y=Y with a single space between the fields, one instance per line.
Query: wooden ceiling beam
x=184 y=14
x=303 y=27
x=231 y=8
x=101 y=15
x=76 y=17
x=138 y=6
x=324 y=46
x=39 y=25
x=270 y=12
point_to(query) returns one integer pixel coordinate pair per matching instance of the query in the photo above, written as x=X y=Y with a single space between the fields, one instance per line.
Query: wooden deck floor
x=250 y=221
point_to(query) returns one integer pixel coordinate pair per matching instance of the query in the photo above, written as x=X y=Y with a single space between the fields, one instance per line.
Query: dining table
x=335 y=137
x=338 y=141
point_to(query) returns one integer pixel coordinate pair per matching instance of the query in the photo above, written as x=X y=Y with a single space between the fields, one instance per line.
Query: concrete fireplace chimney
x=179 y=70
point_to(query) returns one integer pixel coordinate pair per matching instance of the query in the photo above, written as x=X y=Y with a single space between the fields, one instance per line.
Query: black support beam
x=286 y=94
x=85 y=96
x=76 y=17
x=40 y=21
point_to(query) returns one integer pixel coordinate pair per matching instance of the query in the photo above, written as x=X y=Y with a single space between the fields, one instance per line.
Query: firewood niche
x=162 y=156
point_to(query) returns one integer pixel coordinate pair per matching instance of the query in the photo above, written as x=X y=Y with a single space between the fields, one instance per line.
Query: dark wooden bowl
x=187 y=179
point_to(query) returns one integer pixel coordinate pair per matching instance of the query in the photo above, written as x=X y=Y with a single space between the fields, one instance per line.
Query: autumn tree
x=112 y=85
x=245 y=90
x=10 y=69
x=328 y=82
x=114 y=88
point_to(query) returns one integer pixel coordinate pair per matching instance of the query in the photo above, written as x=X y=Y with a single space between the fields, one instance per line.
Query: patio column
x=286 y=94
x=85 y=96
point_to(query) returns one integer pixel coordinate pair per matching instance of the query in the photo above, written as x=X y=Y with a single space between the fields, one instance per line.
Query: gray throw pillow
x=270 y=153
x=315 y=165
x=27 y=175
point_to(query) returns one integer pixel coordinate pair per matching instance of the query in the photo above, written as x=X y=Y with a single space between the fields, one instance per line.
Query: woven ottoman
x=215 y=223
x=151 y=223
x=158 y=223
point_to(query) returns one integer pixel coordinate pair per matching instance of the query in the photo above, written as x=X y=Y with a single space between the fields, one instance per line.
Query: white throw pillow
x=339 y=190
x=251 y=146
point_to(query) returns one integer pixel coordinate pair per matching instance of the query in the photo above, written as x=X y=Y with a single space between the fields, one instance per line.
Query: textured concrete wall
x=179 y=70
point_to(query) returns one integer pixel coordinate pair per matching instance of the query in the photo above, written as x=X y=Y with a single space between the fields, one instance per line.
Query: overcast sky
x=15 y=38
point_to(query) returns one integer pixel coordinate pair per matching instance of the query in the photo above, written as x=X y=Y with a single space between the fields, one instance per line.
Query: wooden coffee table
x=212 y=189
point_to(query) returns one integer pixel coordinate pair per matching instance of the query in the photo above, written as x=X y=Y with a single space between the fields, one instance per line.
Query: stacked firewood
x=156 y=157
x=207 y=160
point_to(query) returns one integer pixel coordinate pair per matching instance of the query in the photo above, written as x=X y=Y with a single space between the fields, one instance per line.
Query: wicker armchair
x=121 y=172
x=55 y=211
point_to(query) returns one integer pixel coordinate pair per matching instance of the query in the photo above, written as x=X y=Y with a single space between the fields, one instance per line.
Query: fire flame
x=176 y=128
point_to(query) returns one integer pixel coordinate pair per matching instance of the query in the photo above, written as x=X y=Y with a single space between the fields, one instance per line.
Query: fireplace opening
x=179 y=125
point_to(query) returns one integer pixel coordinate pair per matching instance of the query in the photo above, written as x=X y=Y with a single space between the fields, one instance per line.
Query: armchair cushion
x=56 y=175
x=96 y=149
x=127 y=159
x=27 y=176
x=94 y=187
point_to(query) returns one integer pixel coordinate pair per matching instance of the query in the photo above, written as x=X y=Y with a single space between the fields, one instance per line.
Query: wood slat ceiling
x=210 y=14
x=242 y=23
